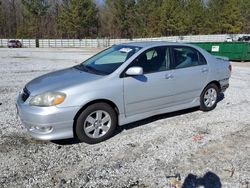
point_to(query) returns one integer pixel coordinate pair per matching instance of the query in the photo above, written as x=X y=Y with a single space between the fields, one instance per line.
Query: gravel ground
x=210 y=149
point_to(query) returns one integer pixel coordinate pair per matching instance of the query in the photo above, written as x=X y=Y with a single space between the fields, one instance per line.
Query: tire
x=209 y=97
x=96 y=123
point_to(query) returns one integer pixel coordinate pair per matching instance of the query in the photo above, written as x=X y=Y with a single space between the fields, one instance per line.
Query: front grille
x=25 y=94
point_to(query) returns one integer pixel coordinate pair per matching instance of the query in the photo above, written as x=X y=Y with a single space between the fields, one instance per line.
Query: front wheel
x=209 y=98
x=96 y=123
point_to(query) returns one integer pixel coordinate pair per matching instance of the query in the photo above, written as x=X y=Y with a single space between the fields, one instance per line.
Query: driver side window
x=153 y=60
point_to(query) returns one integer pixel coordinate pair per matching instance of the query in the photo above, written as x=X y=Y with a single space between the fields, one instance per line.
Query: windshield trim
x=90 y=69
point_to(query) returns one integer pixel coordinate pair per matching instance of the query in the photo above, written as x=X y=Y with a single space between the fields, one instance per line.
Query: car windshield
x=109 y=60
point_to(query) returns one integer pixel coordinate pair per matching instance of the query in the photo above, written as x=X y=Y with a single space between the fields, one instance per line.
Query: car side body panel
x=147 y=93
x=136 y=97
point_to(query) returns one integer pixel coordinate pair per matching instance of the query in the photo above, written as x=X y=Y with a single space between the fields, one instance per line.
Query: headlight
x=47 y=99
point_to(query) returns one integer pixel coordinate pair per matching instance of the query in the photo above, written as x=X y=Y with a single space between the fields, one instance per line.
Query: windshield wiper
x=82 y=68
x=90 y=69
x=95 y=70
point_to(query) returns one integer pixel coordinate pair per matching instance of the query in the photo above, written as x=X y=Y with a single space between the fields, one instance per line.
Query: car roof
x=145 y=44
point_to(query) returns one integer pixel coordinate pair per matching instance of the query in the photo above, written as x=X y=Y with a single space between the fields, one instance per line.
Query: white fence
x=105 y=42
x=29 y=43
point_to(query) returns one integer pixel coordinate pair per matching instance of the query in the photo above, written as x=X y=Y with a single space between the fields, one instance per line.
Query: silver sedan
x=120 y=85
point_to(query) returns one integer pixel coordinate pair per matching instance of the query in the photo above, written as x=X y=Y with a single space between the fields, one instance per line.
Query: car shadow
x=65 y=142
x=155 y=118
x=209 y=180
x=221 y=96
x=161 y=116
x=119 y=129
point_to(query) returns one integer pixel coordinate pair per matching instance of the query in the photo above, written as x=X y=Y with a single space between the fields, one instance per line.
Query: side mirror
x=134 y=71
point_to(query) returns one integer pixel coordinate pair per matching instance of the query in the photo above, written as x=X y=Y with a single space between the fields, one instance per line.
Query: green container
x=235 y=51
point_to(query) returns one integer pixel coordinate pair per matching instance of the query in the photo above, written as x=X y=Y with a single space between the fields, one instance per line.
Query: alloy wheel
x=97 y=124
x=210 y=97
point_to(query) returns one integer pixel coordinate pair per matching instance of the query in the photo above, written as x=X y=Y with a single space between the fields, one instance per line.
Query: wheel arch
x=217 y=83
x=203 y=107
x=109 y=102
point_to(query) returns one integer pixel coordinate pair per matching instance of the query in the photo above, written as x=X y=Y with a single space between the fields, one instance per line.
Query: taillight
x=230 y=67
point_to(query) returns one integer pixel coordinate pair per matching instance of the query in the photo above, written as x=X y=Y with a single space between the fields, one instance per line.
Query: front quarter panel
x=109 y=88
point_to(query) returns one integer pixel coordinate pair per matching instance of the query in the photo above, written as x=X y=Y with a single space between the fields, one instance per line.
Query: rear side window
x=184 y=57
x=202 y=60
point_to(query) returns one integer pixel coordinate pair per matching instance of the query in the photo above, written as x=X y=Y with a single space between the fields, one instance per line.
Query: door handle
x=204 y=70
x=169 y=76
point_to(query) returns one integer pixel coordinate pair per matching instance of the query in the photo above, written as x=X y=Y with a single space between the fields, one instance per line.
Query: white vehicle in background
x=229 y=39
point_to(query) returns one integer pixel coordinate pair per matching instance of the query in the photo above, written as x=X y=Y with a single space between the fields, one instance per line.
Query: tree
x=149 y=18
x=13 y=17
x=195 y=19
x=121 y=17
x=245 y=15
x=231 y=20
x=173 y=18
x=225 y=16
x=9 y=11
x=78 y=19
x=35 y=11
x=1 y=19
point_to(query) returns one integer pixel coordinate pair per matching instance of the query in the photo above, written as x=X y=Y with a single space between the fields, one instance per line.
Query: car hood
x=59 y=80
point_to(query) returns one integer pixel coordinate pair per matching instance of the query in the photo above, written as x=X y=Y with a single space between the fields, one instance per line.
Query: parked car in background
x=244 y=39
x=122 y=84
x=229 y=39
x=14 y=44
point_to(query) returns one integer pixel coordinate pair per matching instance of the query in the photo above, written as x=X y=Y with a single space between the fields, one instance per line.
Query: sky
x=99 y=2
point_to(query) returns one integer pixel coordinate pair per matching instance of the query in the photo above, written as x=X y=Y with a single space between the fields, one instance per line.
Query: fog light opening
x=41 y=129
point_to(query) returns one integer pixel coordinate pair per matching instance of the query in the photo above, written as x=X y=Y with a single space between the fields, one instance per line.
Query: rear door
x=189 y=71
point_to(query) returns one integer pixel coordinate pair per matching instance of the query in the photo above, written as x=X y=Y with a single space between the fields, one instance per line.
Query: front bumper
x=46 y=123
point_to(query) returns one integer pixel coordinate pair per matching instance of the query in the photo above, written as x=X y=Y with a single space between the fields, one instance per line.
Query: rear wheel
x=209 y=98
x=96 y=123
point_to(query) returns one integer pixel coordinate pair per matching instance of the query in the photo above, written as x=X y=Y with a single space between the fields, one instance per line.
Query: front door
x=153 y=89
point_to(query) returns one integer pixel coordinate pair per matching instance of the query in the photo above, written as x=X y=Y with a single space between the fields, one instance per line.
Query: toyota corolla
x=120 y=85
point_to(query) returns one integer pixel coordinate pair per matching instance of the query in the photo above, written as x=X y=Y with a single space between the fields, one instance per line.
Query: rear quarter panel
x=218 y=68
